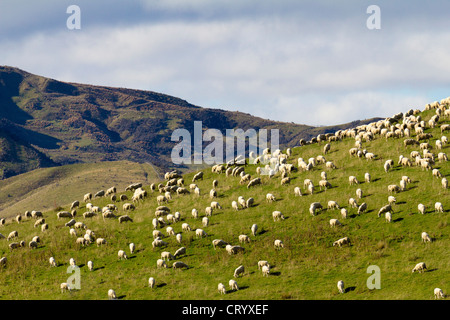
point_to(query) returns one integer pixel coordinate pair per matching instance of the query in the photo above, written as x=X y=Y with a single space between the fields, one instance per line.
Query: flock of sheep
x=408 y=126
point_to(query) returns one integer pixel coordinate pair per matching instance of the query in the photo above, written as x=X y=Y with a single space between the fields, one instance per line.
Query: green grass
x=309 y=267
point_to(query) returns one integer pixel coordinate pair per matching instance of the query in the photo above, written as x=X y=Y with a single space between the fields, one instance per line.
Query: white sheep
x=444 y=182
x=420 y=267
x=340 y=286
x=179 y=265
x=52 y=261
x=233 y=285
x=132 y=247
x=352 y=180
x=221 y=288
x=167 y=255
x=438 y=207
x=341 y=242
x=122 y=255
x=186 y=227
x=239 y=271
x=65 y=287
x=425 y=237
x=215 y=205
x=160 y=263
x=359 y=193
x=243 y=238
x=100 y=241
x=262 y=263
x=277 y=216
x=335 y=222
x=388 y=216
x=90 y=265
x=421 y=208
x=265 y=270
x=72 y=262
x=112 y=294
x=438 y=293
x=367 y=177
x=332 y=205
x=235 y=205
x=352 y=202
x=254 y=228
x=391 y=200
x=270 y=197
x=200 y=233
x=219 y=243
x=344 y=213
x=278 y=244
x=151 y=282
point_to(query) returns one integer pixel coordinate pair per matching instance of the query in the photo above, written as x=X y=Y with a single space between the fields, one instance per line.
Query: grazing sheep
x=219 y=243
x=80 y=225
x=12 y=235
x=179 y=265
x=444 y=182
x=233 y=285
x=52 y=261
x=421 y=208
x=64 y=287
x=249 y=203
x=200 y=233
x=254 y=182
x=243 y=238
x=151 y=282
x=330 y=165
x=234 y=249
x=344 y=213
x=341 y=242
x=313 y=207
x=167 y=255
x=277 y=216
x=44 y=227
x=161 y=199
x=82 y=241
x=391 y=200
x=125 y=218
x=393 y=188
x=215 y=205
x=352 y=202
x=286 y=180
x=335 y=222
x=235 y=205
x=278 y=244
x=442 y=157
x=420 y=267
x=33 y=245
x=185 y=227
x=367 y=177
x=384 y=209
x=437 y=173
x=262 y=263
x=425 y=237
x=221 y=288
x=194 y=213
x=387 y=165
x=212 y=194
x=254 y=228
x=179 y=237
x=160 y=263
x=112 y=294
x=14 y=245
x=72 y=262
x=438 y=293
x=239 y=271
x=197 y=176
x=130 y=206
x=100 y=241
x=181 y=251
x=208 y=211
x=322 y=184
x=352 y=180
x=39 y=222
x=265 y=270
x=170 y=231
x=122 y=255
x=90 y=265
x=332 y=205
x=438 y=207
x=340 y=286
x=205 y=221
x=132 y=247
x=159 y=243
x=359 y=193
x=270 y=197
x=388 y=216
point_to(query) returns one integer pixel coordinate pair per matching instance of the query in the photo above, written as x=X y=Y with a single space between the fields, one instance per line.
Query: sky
x=307 y=62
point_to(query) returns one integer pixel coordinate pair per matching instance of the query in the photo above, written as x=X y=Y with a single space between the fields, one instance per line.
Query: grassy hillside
x=308 y=267
x=49 y=188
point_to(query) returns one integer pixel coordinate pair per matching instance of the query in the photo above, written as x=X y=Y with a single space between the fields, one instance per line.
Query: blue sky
x=308 y=62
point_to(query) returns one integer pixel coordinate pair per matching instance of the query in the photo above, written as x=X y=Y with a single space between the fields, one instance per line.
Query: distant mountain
x=45 y=122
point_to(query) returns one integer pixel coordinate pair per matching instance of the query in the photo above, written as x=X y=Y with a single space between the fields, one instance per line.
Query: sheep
x=33 y=245
x=159 y=243
x=330 y=165
x=262 y=263
x=234 y=205
x=352 y=202
x=100 y=241
x=125 y=218
x=254 y=182
x=254 y=228
x=112 y=294
x=14 y=245
x=359 y=193
x=286 y=180
x=313 y=207
x=194 y=213
x=71 y=223
x=442 y=157
x=122 y=255
x=437 y=173
x=270 y=197
x=278 y=244
x=445 y=127
x=388 y=216
x=239 y=271
x=44 y=227
x=332 y=205
x=167 y=255
x=221 y=288
x=335 y=222
x=89 y=214
x=129 y=206
x=205 y=221
x=215 y=205
x=425 y=237
x=161 y=199
x=421 y=208
x=185 y=227
x=277 y=216
x=179 y=265
x=241 y=202
x=340 y=286
x=87 y=197
x=39 y=222
x=90 y=265
x=344 y=213
x=80 y=225
x=208 y=211
x=233 y=285
x=438 y=207
x=387 y=166
x=322 y=184
x=181 y=251
x=219 y=243
x=234 y=249
x=197 y=176
x=384 y=209
x=393 y=188
x=200 y=233
x=82 y=241
x=72 y=262
x=249 y=203
x=52 y=262
x=420 y=267
x=65 y=287
x=444 y=183
x=352 y=180
x=132 y=247
x=391 y=200
x=12 y=235
x=151 y=282
x=160 y=263
x=265 y=270
x=243 y=238
x=341 y=242
x=438 y=293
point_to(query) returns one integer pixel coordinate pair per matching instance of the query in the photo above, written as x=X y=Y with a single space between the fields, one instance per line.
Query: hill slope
x=63 y=123
x=308 y=267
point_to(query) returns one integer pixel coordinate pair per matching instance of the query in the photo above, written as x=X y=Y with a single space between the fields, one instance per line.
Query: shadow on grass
x=349 y=289
x=161 y=285
x=397 y=220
